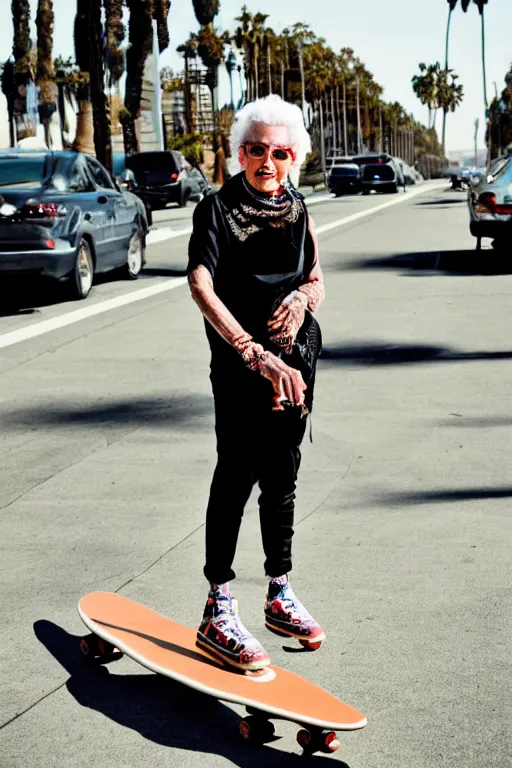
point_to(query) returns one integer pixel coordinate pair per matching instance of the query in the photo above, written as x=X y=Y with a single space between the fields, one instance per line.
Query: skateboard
x=121 y=626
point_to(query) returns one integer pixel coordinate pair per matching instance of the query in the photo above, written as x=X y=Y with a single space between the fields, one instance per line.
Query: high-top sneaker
x=222 y=634
x=286 y=615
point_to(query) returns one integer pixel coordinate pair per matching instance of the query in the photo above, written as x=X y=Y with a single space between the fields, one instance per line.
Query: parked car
x=61 y=216
x=164 y=177
x=344 y=176
x=379 y=172
x=490 y=203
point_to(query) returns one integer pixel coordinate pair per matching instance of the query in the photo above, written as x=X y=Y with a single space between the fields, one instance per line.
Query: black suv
x=165 y=177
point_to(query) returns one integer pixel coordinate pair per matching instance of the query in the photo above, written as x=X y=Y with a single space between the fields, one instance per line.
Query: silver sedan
x=490 y=204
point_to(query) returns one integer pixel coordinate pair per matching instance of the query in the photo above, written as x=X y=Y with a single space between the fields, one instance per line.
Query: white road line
x=54 y=323
x=165 y=233
x=403 y=198
x=45 y=326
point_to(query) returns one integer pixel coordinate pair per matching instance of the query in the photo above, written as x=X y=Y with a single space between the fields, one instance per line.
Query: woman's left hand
x=286 y=321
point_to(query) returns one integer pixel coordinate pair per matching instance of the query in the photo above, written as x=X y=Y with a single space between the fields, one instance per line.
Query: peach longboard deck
x=169 y=648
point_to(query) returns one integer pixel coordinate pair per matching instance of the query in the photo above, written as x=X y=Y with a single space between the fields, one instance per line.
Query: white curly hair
x=272 y=110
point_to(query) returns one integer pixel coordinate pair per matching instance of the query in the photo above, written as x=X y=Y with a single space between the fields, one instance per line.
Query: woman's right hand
x=288 y=384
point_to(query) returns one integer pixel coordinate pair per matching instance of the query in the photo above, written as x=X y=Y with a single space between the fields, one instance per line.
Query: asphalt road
x=404 y=525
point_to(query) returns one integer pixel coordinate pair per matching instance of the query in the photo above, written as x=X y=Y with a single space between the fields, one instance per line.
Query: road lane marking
x=54 y=323
x=165 y=233
x=403 y=198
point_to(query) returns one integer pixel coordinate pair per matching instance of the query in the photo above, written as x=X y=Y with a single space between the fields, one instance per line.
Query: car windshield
x=16 y=170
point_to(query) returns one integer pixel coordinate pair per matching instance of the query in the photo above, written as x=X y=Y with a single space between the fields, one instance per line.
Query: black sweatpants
x=254 y=445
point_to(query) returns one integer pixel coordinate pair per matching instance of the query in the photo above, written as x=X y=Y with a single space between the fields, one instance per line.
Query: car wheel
x=136 y=257
x=393 y=188
x=366 y=191
x=83 y=274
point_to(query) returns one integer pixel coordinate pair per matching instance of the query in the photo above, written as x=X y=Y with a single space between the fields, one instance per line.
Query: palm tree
x=114 y=36
x=449 y=96
x=481 y=7
x=8 y=89
x=452 y=5
x=22 y=63
x=140 y=36
x=425 y=88
x=242 y=38
x=84 y=138
x=205 y=10
x=257 y=40
x=45 y=72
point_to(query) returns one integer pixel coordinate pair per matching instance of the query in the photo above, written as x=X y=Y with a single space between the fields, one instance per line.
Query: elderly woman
x=254 y=273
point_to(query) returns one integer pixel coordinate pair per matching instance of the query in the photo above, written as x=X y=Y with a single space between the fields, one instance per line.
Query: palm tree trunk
x=333 y=124
x=256 y=72
x=484 y=68
x=100 y=107
x=282 y=79
x=358 y=109
x=345 y=132
x=302 y=82
x=447 y=38
x=443 y=140
x=84 y=138
x=269 y=69
x=338 y=120
x=322 y=138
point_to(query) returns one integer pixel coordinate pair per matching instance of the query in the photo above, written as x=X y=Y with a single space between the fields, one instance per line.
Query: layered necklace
x=252 y=214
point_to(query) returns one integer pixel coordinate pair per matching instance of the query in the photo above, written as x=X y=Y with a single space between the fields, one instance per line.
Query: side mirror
x=475 y=179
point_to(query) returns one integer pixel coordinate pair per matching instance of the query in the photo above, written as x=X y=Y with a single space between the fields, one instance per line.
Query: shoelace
x=227 y=620
x=292 y=605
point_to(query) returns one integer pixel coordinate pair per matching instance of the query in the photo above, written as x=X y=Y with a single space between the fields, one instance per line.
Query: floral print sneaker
x=286 y=615
x=223 y=635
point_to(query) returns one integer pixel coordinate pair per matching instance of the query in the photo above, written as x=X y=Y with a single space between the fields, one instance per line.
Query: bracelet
x=314 y=293
x=253 y=355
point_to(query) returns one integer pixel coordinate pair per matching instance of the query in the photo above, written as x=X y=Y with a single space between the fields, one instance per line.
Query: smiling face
x=264 y=171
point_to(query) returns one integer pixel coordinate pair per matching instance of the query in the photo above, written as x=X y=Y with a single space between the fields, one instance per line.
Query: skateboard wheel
x=310 y=645
x=303 y=738
x=330 y=742
x=245 y=729
x=257 y=730
x=98 y=649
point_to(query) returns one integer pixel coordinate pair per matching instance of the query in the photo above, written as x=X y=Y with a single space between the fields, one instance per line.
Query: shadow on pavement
x=444 y=201
x=484 y=422
x=450 y=494
x=158 y=708
x=24 y=296
x=159 y=411
x=462 y=263
x=403 y=354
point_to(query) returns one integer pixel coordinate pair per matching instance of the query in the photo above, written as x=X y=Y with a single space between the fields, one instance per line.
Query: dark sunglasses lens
x=257 y=151
x=280 y=154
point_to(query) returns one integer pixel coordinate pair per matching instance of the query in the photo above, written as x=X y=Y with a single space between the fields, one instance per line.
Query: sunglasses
x=260 y=150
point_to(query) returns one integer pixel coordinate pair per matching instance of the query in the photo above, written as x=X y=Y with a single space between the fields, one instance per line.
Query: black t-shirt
x=254 y=262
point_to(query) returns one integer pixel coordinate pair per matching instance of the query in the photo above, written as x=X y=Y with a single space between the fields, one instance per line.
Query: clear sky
x=390 y=36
